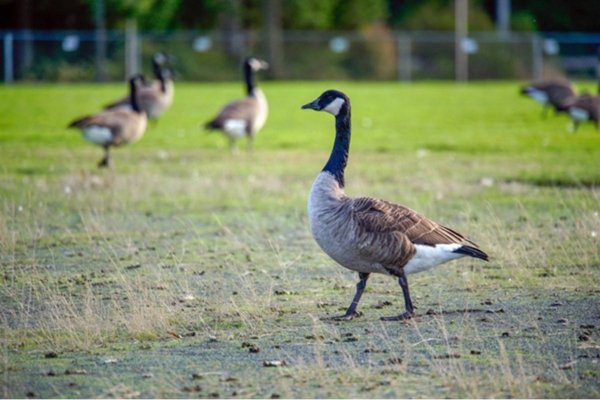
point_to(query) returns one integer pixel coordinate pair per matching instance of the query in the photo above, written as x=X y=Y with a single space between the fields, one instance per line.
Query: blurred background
x=108 y=40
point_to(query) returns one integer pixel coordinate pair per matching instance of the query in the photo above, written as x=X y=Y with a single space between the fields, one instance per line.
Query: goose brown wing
x=118 y=121
x=241 y=109
x=125 y=101
x=383 y=217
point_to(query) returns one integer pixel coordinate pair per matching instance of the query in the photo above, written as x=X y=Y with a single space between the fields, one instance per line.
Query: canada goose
x=368 y=235
x=247 y=116
x=558 y=94
x=115 y=127
x=585 y=108
x=155 y=97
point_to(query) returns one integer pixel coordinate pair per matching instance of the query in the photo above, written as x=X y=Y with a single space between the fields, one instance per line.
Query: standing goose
x=368 y=235
x=558 y=94
x=156 y=97
x=247 y=116
x=115 y=127
x=585 y=108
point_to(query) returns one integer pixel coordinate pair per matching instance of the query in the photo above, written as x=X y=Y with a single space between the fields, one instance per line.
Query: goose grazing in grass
x=368 y=235
x=585 y=108
x=247 y=116
x=154 y=97
x=115 y=127
x=557 y=94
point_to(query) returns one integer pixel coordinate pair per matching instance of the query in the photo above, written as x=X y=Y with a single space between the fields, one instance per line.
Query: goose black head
x=255 y=64
x=332 y=101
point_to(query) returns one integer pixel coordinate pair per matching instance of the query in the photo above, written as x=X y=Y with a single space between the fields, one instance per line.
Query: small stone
x=430 y=312
x=76 y=372
x=476 y=352
x=51 y=354
x=274 y=363
x=394 y=361
x=563 y=321
x=446 y=356
x=197 y=375
x=556 y=304
x=583 y=337
x=505 y=334
x=194 y=389
x=254 y=349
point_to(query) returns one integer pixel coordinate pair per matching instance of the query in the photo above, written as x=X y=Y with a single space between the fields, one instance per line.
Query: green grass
x=183 y=237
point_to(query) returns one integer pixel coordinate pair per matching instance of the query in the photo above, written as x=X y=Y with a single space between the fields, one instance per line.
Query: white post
x=537 y=58
x=461 y=29
x=404 y=58
x=131 y=49
x=8 y=59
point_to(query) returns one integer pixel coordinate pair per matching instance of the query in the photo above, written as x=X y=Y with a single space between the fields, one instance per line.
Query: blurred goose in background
x=154 y=97
x=115 y=127
x=368 y=235
x=244 y=117
x=585 y=108
x=557 y=94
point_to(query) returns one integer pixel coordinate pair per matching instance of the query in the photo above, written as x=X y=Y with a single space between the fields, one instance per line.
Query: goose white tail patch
x=428 y=257
x=235 y=128
x=334 y=107
x=97 y=134
x=537 y=95
x=579 y=114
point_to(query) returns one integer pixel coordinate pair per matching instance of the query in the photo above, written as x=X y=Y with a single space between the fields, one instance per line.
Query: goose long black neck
x=249 y=78
x=341 y=146
x=133 y=93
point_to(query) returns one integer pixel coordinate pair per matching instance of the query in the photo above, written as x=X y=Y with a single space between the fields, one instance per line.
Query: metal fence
x=85 y=56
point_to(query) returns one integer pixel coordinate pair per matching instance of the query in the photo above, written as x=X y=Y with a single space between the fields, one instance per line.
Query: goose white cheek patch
x=335 y=106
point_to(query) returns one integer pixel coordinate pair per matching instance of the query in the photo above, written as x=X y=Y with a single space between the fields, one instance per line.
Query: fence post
x=8 y=59
x=404 y=44
x=100 y=41
x=460 y=33
x=131 y=49
x=537 y=58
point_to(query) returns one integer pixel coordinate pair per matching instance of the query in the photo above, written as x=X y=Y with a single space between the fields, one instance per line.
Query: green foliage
x=308 y=14
x=438 y=15
x=356 y=14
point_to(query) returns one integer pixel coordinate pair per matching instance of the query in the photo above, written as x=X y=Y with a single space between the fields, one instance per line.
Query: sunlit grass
x=183 y=237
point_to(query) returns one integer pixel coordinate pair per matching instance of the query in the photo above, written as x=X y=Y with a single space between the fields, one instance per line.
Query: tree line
x=543 y=15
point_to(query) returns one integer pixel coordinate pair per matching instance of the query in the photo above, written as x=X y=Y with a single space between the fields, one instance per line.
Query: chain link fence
x=86 y=56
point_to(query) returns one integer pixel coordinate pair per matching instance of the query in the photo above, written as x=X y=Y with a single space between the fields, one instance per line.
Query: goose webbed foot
x=409 y=306
x=401 y=317
x=345 y=317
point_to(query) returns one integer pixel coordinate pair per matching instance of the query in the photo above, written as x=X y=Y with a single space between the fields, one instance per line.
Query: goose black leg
x=351 y=312
x=409 y=306
x=106 y=161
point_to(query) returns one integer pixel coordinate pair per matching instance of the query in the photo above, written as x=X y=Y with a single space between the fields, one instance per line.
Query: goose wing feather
x=380 y=216
x=122 y=124
x=388 y=232
x=124 y=102
x=244 y=109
